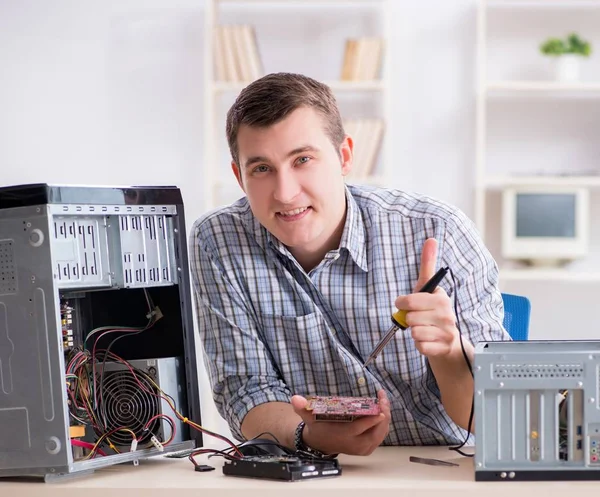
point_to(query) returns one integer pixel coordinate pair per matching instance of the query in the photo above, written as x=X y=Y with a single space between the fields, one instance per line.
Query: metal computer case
x=101 y=247
x=537 y=410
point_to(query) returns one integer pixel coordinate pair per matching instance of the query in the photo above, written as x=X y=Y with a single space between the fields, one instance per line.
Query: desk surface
x=388 y=471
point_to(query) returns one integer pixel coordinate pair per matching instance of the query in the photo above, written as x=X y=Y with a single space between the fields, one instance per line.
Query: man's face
x=293 y=178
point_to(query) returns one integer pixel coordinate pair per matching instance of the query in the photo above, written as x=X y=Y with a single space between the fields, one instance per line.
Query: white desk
x=387 y=472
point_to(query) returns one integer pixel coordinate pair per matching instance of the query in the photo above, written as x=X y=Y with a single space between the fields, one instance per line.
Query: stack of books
x=362 y=59
x=367 y=134
x=236 y=54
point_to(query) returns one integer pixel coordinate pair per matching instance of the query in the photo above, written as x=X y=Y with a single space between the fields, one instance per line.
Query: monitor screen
x=546 y=215
x=545 y=224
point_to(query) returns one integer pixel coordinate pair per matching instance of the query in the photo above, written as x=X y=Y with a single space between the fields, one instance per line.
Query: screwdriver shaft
x=382 y=343
x=399 y=317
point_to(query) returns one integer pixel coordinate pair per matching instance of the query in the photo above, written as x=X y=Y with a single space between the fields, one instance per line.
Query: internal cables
x=153 y=316
x=85 y=388
x=234 y=453
x=160 y=394
x=80 y=406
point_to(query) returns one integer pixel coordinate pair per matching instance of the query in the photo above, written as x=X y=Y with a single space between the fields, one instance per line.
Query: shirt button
x=361 y=381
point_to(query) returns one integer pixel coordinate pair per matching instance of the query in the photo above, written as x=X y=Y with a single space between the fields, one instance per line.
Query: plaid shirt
x=270 y=330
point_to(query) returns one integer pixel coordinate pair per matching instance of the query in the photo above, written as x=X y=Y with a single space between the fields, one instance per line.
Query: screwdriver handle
x=399 y=319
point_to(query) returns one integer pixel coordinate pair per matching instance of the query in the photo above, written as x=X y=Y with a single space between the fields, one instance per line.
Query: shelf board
x=543 y=4
x=231 y=185
x=494 y=88
x=377 y=85
x=320 y=2
x=226 y=184
x=500 y=181
x=369 y=180
x=538 y=274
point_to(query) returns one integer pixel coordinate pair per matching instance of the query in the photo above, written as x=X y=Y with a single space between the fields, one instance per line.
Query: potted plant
x=567 y=54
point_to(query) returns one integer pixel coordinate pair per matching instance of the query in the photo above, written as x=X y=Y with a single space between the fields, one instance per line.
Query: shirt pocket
x=303 y=350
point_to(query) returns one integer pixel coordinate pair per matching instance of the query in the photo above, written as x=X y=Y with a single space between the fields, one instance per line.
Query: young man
x=296 y=283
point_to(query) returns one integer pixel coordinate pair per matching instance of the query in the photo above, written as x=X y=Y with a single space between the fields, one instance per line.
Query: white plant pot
x=567 y=67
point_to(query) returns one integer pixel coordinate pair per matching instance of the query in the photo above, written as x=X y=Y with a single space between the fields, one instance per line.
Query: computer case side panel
x=191 y=368
x=537 y=410
x=33 y=418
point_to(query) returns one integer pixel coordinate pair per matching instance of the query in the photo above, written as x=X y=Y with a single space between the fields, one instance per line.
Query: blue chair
x=517 y=310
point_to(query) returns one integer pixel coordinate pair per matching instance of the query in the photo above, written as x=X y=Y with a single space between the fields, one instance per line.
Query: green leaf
x=573 y=44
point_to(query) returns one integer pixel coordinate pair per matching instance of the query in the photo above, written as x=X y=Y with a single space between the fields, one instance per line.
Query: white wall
x=101 y=92
x=111 y=92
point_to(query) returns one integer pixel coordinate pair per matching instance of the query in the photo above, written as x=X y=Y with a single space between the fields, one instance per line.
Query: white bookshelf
x=550 y=275
x=543 y=4
x=498 y=182
x=542 y=87
x=215 y=176
x=337 y=86
x=526 y=95
x=321 y=2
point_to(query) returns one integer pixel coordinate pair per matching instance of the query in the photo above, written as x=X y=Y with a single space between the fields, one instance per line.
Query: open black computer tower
x=97 y=350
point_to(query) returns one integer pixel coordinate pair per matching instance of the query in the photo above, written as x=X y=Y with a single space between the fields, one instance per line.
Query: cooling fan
x=129 y=400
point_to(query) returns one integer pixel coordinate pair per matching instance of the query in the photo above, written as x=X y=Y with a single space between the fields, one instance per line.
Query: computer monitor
x=545 y=225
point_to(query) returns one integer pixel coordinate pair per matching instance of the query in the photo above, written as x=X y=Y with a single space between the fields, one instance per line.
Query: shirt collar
x=353 y=236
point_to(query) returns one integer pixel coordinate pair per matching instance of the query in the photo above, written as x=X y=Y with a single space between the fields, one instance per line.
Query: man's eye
x=260 y=169
x=303 y=160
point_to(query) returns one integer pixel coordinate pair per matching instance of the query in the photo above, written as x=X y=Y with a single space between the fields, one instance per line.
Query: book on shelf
x=367 y=134
x=362 y=59
x=236 y=56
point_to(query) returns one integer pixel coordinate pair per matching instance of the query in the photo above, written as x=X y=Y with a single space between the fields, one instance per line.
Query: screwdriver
x=399 y=317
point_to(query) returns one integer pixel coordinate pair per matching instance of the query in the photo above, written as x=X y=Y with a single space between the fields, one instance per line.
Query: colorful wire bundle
x=87 y=398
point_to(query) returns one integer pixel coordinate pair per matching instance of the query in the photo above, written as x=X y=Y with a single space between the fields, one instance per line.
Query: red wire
x=124 y=330
x=193 y=425
x=173 y=428
x=143 y=387
x=86 y=445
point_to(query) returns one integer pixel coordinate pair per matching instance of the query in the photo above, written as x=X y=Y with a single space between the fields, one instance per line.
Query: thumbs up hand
x=428 y=260
x=430 y=315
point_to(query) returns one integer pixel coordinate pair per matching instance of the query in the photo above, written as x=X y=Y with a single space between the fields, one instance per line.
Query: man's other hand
x=359 y=437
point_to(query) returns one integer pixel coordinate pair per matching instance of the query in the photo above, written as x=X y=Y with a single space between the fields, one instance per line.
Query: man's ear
x=347 y=154
x=238 y=175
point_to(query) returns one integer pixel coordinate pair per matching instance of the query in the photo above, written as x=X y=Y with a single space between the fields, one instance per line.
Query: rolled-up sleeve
x=241 y=372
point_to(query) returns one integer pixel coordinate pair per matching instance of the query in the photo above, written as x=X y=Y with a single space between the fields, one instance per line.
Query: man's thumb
x=299 y=404
x=428 y=261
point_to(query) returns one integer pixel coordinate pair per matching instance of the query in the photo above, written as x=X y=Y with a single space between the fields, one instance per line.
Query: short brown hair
x=273 y=97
